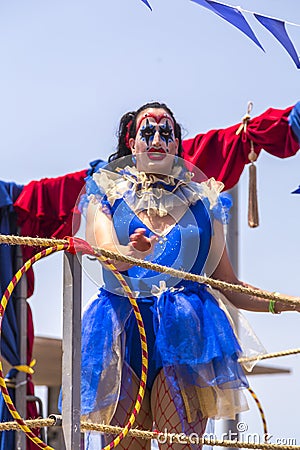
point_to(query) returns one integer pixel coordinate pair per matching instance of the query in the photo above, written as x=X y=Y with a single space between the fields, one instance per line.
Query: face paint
x=155 y=143
x=147 y=132
x=166 y=133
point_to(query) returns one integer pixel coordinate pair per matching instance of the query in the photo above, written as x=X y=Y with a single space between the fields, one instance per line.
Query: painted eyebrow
x=157 y=119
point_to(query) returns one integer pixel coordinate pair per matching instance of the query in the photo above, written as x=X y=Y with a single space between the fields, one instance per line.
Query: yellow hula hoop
x=5 y=298
x=261 y=411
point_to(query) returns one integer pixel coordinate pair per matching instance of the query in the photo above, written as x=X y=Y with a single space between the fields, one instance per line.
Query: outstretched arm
x=225 y=272
x=294 y=120
x=222 y=154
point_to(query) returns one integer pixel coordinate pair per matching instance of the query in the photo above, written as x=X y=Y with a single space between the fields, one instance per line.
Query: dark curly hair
x=128 y=125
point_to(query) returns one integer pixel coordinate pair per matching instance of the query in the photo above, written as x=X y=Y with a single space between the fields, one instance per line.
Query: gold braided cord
x=86 y=426
x=147 y=435
x=31 y=423
x=42 y=242
x=185 y=439
x=218 y=284
x=31 y=241
x=293 y=351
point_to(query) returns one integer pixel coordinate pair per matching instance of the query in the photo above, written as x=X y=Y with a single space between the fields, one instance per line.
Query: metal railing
x=71 y=359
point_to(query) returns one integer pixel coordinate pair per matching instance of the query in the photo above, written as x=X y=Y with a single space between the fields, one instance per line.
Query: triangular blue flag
x=148 y=4
x=277 y=28
x=232 y=15
x=297 y=191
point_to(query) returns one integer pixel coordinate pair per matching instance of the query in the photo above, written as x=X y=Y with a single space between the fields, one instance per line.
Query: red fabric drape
x=47 y=208
x=222 y=154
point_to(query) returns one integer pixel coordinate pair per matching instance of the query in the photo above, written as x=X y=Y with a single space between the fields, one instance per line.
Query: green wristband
x=272 y=304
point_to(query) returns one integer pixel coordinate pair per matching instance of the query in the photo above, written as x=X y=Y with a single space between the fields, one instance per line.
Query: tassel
x=253 y=219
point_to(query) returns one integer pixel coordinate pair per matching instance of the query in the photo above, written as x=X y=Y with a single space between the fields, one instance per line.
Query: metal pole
x=40 y=412
x=54 y=434
x=232 y=241
x=232 y=236
x=21 y=378
x=71 y=360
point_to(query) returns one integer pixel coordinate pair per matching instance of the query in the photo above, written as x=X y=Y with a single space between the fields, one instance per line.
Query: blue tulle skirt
x=189 y=336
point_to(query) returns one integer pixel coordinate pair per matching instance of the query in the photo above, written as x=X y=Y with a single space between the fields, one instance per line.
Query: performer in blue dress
x=145 y=203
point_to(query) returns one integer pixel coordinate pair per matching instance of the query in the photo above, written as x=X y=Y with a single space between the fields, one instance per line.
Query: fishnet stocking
x=163 y=411
x=127 y=400
x=166 y=416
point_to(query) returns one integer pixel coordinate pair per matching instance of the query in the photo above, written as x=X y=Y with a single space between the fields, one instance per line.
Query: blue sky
x=70 y=69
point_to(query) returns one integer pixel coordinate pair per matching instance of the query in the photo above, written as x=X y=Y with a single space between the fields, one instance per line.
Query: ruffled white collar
x=156 y=194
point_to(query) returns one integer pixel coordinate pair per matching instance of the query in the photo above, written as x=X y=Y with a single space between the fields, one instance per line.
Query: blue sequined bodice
x=184 y=247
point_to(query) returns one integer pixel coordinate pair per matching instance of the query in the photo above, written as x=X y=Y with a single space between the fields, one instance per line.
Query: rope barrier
x=147 y=435
x=218 y=284
x=74 y=245
x=30 y=423
x=270 y=355
x=42 y=242
x=30 y=241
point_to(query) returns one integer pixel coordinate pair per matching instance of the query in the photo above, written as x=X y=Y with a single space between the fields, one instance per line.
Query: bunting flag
x=232 y=15
x=277 y=28
x=148 y=4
